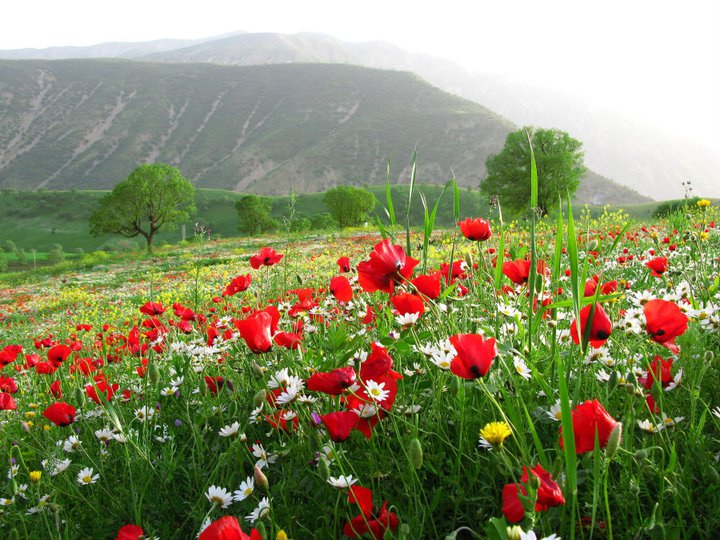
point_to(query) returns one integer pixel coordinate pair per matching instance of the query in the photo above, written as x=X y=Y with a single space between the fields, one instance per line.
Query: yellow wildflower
x=703 y=203
x=35 y=476
x=494 y=433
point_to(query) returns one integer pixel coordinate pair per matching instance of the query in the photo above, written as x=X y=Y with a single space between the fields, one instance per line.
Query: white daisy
x=144 y=413
x=262 y=510
x=376 y=391
x=716 y=411
x=555 y=412
x=230 y=431
x=245 y=490
x=264 y=458
x=220 y=496
x=649 y=426
x=408 y=319
x=341 y=482
x=521 y=368
x=104 y=435
x=72 y=444
x=86 y=476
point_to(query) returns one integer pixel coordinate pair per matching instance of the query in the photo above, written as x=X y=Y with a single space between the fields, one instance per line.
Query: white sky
x=654 y=58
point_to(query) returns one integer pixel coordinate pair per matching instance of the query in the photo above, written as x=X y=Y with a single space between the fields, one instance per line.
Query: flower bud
x=154 y=372
x=709 y=356
x=415 y=453
x=614 y=441
x=259 y=398
x=14 y=535
x=261 y=480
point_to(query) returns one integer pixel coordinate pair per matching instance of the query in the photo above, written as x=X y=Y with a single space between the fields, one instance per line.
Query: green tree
x=349 y=205
x=559 y=160
x=152 y=198
x=254 y=214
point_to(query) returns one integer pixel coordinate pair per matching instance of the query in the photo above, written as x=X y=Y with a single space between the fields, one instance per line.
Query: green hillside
x=85 y=124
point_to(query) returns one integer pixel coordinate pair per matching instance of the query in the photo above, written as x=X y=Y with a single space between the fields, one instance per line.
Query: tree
x=559 y=161
x=254 y=214
x=349 y=205
x=154 y=197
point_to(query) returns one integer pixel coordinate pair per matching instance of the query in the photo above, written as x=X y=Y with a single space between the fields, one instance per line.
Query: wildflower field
x=553 y=379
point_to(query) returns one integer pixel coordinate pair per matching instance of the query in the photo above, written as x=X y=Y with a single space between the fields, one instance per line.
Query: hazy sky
x=654 y=58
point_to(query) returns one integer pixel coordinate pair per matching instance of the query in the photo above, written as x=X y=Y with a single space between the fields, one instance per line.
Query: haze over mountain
x=264 y=129
x=650 y=162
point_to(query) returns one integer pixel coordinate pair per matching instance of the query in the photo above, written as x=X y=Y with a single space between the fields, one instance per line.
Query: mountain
x=263 y=129
x=652 y=162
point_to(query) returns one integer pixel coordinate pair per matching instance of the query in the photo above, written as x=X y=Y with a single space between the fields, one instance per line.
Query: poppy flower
x=60 y=414
x=8 y=354
x=7 y=402
x=344 y=264
x=474 y=355
x=428 y=285
x=587 y=418
x=266 y=257
x=340 y=288
x=101 y=385
x=388 y=264
x=378 y=364
x=129 y=532
x=477 y=230
x=361 y=496
x=8 y=384
x=549 y=493
x=153 y=309
x=517 y=271
x=408 y=303
x=239 y=284
x=664 y=321
x=512 y=506
x=58 y=354
x=340 y=424
x=600 y=327
x=215 y=384
x=256 y=331
x=456 y=271
x=334 y=382
x=56 y=389
x=288 y=340
x=658 y=265
x=660 y=370
x=375 y=523
x=227 y=528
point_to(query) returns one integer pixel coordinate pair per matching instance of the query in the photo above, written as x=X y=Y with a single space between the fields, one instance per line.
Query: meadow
x=542 y=379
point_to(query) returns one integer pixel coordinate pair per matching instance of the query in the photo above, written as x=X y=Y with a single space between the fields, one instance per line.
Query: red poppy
x=8 y=354
x=340 y=288
x=375 y=523
x=477 y=230
x=428 y=285
x=227 y=528
x=549 y=493
x=7 y=402
x=408 y=303
x=334 y=382
x=658 y=265
x=215 y=384
x=600 y=328
x=344 y=264
x=256 y=331
x=664 y=322
x=60 y=414
x=8 y=384
x=152 y=309
x=378 y=364
x=56 y=389
x=239 y=284
x=517 y=271
x=266 y=257
x=660 y=370
x=58 y=354
x=370 y=316
x=587 y=418
x=129 y=532
x=388 y=264
x=512 y=507
x=340 y=424
x=474 y=355
x=361 y=496
x=451 y=273
x=288 y=340
x=101 y=385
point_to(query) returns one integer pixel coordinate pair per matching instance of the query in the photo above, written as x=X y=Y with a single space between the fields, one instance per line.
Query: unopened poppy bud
x=261 y=480
x=257 y=370
x=299 y=279
x=614 y=441
x=415 y=453
x=469 y=260
x=534 y=482
x=323 y=469
x=259 y=398
x=80 y=396
x=658 y=532
x=640 y=455
x=13 y=487
x=454 y=387
x=260 y=526
x=612 y=381
x=25 y=427
x=404 y=531
x=592 y=245
x=154 y=372
x=709 y=356
x=14 y=535
x=632 y=379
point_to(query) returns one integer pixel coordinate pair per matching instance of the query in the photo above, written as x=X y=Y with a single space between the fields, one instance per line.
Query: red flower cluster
x=388 y=265
x=549 y=494
x=370 y=520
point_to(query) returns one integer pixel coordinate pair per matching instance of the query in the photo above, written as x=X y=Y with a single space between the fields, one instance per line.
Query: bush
x=3 y=264
x=323 y=221
x=349 y=205
x=8 y=246
x=56 y=255
x=666 y=208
